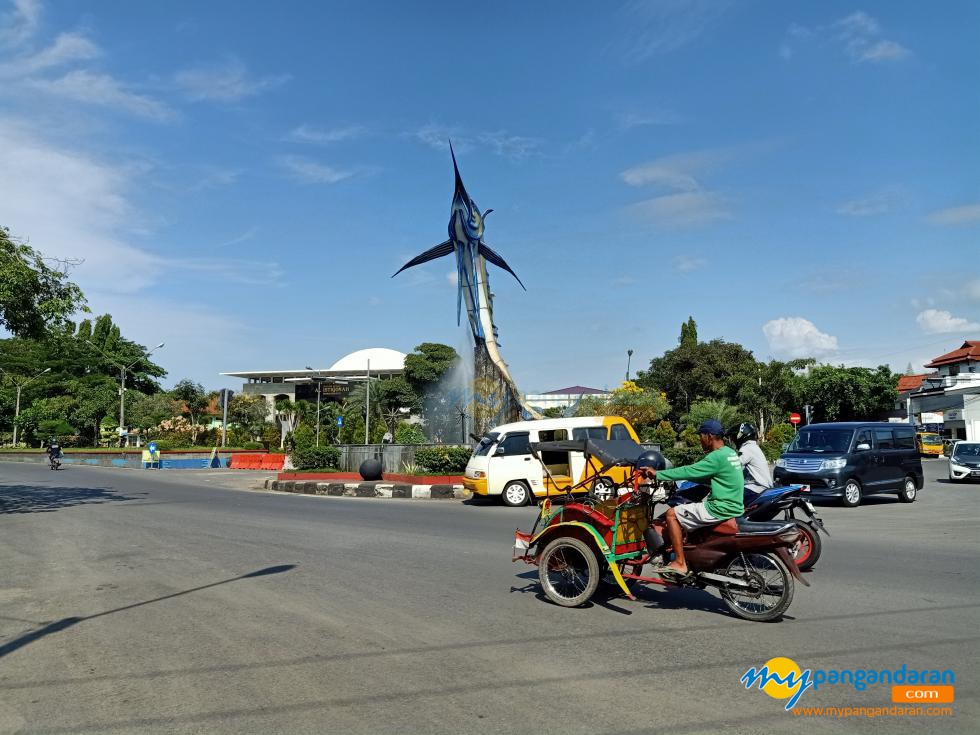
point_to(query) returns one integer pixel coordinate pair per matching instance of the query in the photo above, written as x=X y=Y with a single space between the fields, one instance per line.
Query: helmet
x=742 y=433
x=652 y=459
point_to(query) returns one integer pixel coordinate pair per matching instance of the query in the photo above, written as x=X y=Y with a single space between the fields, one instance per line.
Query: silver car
x=964 y=462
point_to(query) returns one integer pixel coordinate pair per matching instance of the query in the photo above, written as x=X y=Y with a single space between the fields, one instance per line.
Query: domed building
x=335 y=382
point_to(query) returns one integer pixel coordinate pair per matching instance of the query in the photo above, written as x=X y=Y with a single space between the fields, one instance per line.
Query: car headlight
x=780 y=462
x=957 y=467
x=834 y=464
x=478 y=475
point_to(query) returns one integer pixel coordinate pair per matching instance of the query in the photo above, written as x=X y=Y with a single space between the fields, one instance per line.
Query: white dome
x=382 y=359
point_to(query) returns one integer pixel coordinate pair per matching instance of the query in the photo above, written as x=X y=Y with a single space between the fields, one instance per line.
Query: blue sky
x=240 y=179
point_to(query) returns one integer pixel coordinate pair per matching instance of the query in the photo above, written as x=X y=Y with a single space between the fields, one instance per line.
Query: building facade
x=951 y=393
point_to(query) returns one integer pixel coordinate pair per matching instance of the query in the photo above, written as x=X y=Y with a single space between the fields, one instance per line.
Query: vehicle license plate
x=804 y=488
x=809 y=506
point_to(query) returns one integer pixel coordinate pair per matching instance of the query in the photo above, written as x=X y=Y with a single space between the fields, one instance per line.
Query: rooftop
x=969 y=351
x=575 y=390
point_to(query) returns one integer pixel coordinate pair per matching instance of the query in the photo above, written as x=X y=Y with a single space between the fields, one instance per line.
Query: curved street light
x=20 y=386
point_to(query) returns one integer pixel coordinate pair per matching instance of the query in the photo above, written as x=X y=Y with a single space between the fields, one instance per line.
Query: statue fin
x=443 y=248
x=494 y=258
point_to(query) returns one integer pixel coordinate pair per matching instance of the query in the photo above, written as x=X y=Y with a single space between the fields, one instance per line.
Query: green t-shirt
x=724 y=469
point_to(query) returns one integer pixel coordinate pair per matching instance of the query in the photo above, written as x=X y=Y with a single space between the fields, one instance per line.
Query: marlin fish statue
x=472 y=254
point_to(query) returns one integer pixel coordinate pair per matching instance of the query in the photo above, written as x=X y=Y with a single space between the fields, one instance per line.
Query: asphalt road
x=126 y=605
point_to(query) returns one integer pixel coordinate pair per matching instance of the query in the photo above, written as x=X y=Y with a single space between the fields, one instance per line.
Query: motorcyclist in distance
x=755 y=466
x=54 y=451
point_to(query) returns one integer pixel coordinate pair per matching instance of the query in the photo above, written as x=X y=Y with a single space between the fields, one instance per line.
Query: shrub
x=313 y=458
x=407 y=433
x=443 y=460
x=772 y=450
x=683 y=455
x=663 y=434
x=252 y=445
x=780 y=434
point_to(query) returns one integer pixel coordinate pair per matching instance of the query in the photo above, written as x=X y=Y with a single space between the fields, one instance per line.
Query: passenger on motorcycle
x=722 y=468
x=756 y=466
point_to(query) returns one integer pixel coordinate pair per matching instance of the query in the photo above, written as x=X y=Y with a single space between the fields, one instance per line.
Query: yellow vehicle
x=502 y=463
x=929 y=444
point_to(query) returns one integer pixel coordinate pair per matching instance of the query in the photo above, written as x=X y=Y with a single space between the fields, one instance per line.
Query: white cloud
x=629 y=120
x=972 y=290
x=309 y=134
x=67 y=47
x=104 y=90
x=311 y=172
x=453 y=278
x=877 y=203
x=937 y=321
x=678 y=170
x=797 y=337
x=686 y=263
x=884 y=51
x=227 y=81
x=71 y=205
x=651 y=28
x=686 y=208
x=956 y=215
x=500 y=142
x=858 y=35
x=19 y=23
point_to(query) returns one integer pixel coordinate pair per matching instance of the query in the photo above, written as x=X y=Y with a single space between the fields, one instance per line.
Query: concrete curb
x=370 y=490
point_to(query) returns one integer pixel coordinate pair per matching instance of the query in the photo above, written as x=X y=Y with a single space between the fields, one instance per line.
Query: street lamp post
x=122 y=381
x=224 y=417
x=20 y=387
x=367 y=406
x=629 y=356
x=318 y=379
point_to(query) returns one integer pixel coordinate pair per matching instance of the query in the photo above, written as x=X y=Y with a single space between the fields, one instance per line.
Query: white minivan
x=502 y=463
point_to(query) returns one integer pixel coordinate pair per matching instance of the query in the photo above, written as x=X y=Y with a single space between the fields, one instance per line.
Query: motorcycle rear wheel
x=568 y=571
x=810 y=545
x=772 y=588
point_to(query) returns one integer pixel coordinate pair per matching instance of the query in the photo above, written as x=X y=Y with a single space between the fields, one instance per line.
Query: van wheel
x=516 y=493
x=852 y=494
x=909 y=491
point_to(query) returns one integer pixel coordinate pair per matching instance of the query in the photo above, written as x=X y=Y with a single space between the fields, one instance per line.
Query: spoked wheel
x=516 y=493
x=770 y=590
x=568 y=571
x=808 y=548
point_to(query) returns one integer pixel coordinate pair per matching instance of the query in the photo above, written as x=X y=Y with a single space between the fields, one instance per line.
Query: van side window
x=884 y=437
x=863 y=437
x=588 y=432
x=516 y=445
x=619 y=432
x=904 y=439
x=554 y=435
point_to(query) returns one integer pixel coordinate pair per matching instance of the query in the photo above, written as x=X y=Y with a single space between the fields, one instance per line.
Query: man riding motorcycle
x=722 y=468
x=54 y=452
x=756 y=467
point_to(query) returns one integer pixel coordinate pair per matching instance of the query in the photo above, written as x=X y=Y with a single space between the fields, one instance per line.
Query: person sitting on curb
x=723 y=469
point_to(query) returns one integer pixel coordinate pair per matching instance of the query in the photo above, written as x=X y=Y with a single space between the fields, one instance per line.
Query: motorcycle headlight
x=834 y=464
x=780 y=462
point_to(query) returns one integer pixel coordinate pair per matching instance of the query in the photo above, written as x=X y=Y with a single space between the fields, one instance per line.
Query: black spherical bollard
x=370 y=469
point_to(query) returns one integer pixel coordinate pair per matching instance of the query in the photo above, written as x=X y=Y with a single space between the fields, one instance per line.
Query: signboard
x=956 y=415
x=794 y=418
x=340 y=421
x=151 y=447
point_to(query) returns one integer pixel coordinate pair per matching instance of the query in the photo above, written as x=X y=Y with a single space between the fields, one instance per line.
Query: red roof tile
x=969 y=351
x=907 y=383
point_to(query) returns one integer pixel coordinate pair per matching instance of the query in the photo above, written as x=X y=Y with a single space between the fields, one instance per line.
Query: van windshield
x=931 y=439
x=483 y=448
x=821 y=440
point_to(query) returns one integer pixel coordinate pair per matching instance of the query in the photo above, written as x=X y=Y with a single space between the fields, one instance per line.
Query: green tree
x=193 y=398
x=689 y=333
x=850 y=393
x=773 y=392
x=426 y=366
x=638 y=406
x=146 y=411
x=554 y=412
x=712 y=408
x=697 y=370
x=97 y=400
x=249 y=412
x=33 y=296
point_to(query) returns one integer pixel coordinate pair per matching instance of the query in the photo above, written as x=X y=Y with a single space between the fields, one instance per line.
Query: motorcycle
x=766 y=506
x=54 y=461
x=575 y=543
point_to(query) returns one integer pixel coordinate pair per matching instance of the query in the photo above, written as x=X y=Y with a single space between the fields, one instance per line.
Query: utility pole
x=367 y=405
x=122 y=381
x=20 y=386
x=224 y=417
x=318 y=379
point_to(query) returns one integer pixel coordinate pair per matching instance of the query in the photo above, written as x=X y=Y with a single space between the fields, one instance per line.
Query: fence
x=392 y=456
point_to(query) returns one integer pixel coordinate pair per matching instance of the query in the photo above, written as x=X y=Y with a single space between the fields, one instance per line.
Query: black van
x=849 y=460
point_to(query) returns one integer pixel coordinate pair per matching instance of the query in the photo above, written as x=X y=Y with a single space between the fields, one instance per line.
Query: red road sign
x=794 y=418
